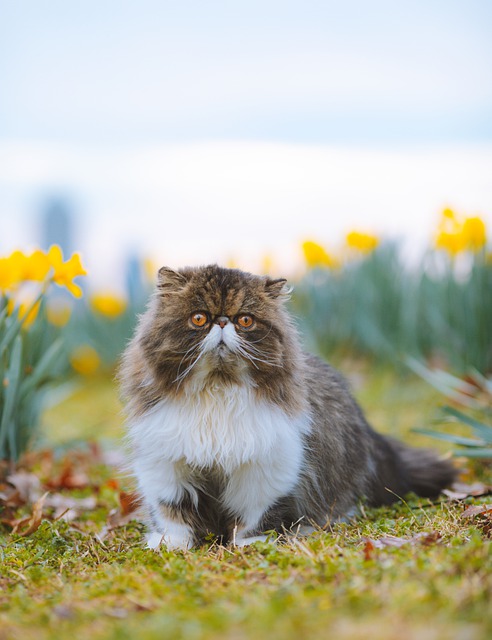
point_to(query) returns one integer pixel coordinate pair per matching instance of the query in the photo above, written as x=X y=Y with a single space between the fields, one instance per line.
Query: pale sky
x=198 y=131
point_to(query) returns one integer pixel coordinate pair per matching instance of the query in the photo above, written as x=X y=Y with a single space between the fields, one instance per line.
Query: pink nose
x=222 y=321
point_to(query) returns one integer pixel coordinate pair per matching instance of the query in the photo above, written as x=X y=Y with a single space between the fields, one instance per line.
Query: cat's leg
x=244 y=542
x=172 y=534
x=252 y=489
x=163 y=487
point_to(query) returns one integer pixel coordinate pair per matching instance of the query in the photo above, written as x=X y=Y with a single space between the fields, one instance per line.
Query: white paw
x=243 y=542
x=156 y=539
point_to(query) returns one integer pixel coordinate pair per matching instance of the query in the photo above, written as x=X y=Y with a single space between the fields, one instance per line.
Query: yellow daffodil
x=363 y=242
x=28 y=311
x=455 y=235
x=12 y=271
x=316 y=256
x=267 y=263
x=5 y=275
x=85 y=360
x=65 y=272
x=150 y=269
x=108 y=304
x=475 y=234
x=36 y=266
x=58 y=312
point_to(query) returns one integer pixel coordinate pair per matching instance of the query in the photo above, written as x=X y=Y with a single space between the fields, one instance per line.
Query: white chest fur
x=258 y=447
x=224 y=426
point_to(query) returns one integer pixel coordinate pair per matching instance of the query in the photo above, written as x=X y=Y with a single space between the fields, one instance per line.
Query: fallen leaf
x=68 y=508
x=424 y=538
x=368 y=549
x=34 y=520
x=27 y=484
x=461 y=490
x=10 y=497
x=476 y=509
x=128 y=511
x=482 y=517
x=69 y=478
x=112 y=483
x=129 y=502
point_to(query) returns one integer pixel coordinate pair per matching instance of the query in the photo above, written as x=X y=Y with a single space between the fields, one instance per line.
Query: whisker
x=253 y=358
x=265 y=336
x=180 y=378
x=199 y=347
x=251 y=349
x=187 y=350
x=242 y=352
x=191 y=351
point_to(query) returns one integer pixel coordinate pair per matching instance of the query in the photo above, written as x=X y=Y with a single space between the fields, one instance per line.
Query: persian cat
x=234 y=430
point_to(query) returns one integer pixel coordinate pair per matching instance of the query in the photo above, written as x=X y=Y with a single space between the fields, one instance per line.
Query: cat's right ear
x=170 y=280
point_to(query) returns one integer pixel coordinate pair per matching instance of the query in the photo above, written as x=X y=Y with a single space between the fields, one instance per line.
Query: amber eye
x=246 y=322
x=199 y=319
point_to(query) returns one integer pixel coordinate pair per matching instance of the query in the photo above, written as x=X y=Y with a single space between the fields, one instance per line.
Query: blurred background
x=344 y=145
x=195 y=132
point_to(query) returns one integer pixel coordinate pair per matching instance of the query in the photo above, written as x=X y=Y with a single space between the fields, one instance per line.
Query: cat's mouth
x=222 y=349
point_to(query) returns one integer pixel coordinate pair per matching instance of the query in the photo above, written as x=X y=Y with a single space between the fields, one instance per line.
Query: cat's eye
x=199 y=319
x=246 y=322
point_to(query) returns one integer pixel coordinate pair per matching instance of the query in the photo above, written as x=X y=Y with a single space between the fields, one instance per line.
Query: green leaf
x=10 y=391
x=479 y=428
x=13 y=327
x=450 y=437
x=474 y=453
x=41 y=370
x=450 y=386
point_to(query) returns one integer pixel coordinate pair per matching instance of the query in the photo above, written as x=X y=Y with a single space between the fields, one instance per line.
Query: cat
x=235 y=431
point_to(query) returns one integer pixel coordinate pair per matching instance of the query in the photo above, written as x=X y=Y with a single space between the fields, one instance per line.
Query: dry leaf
x=476 y=510
x=424 y=538
x=369 y=549
x=129 y=502
x=482 y=517
x=461 y=490
x=34 y=520
x=10 y=497
x=27 y=484
x=68 y=508
x=69 y=478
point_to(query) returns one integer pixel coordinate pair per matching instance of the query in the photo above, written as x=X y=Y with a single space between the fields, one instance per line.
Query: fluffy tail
x=401 y=469
x=427 y=474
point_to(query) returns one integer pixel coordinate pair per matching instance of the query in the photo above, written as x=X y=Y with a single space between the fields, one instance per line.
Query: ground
x=415 y=570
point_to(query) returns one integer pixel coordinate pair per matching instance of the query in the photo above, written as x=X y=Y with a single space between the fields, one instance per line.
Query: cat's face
x=215 y=323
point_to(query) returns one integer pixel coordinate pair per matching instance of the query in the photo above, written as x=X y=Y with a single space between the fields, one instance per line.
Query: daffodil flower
x=65 y=272
x=36 y=266
x=316 y=256
x=456 y=235
x=11 y=271
x=363 y=242
x=85 y=360
x=108 y=304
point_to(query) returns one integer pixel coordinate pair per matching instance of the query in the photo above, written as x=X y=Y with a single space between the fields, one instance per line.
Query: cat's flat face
x=216 y=323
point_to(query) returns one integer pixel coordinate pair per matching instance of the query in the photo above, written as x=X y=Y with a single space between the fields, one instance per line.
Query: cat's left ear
x=277 y=288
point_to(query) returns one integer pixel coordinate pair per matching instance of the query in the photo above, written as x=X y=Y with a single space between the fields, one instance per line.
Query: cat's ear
x=170 y=280
x=277 y=288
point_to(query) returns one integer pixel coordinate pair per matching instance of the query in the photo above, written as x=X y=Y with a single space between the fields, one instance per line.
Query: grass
x=64 y=581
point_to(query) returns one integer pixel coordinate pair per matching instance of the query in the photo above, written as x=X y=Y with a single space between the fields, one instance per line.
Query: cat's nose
x=222 y=321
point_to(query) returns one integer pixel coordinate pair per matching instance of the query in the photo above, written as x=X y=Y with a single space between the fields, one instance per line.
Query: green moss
x=64 y=582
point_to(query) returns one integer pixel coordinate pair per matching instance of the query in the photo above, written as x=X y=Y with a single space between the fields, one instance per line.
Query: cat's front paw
x=172 y=541
x=244 y=542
